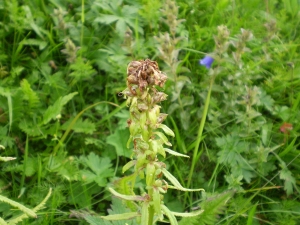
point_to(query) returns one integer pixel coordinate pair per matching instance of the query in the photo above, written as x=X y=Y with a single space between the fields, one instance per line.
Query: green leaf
x=251 y=215
x=99 y=169
x=30 y=129
x=167 y=130
x=35 y=42
x=127 y=197
x=231 y=148
x=96 y=164
x=266 y=100
x=190 y=214
x=81 y=126
x=185 y=119
x=117 y=208
x=212 y=207
x=124 y=16
x=93 y=220
x=119 y=140
x=21 y=207
x=29 y=94
x=187 y=100
x=56 y=108
x=81 y=70
x=123 y=216
x=175 y=153
x=106 y=19
x=176 y=183
x=170 y=215
x=163 y=138
x=31 y=166
x=128 y=165
x=289 y=180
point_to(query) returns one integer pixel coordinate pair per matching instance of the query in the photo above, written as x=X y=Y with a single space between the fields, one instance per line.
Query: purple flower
x=206 y=61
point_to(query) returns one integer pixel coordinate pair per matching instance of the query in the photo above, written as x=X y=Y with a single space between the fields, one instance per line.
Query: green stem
x=151 y=215
x=199 y=136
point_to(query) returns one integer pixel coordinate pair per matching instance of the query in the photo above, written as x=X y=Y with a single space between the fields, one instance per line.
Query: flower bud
x=132 y=79
x=152 y=114
x=142 y=107
x=145 y=133
x=161 y=117
x=133 y=128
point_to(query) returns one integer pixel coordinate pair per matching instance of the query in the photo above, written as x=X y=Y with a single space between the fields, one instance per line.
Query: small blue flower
x=206 y=61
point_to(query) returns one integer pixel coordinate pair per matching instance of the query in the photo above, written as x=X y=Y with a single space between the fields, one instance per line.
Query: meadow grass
x=63 y=66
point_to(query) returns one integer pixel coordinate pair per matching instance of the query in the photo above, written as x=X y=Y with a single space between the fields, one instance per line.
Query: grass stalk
x=199 y=135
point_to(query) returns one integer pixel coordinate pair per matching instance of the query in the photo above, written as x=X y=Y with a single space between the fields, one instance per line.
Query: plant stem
x=199 y=136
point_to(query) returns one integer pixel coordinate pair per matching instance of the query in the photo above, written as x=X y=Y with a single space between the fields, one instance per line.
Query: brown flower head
x=144 y=73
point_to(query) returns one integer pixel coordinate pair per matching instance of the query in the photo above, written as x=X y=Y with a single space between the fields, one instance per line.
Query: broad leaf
x=56 y=108
x=98 y=169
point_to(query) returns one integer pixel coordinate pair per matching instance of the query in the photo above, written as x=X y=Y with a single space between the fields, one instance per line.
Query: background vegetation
x=63 y=63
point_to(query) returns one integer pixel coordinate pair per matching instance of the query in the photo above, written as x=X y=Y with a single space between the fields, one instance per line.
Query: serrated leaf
x=289 y=180
x=170 y=215
x=80 y=126
x=30 y=168
x=211 y=207
x=124 y=17
x=93 y=220
x=21 y=207
x=5 y=159
x=29 y=94
x=56 y=108
x=29 y=128
x=190 y=214
x=81 y=70
x=176 y=183
x=100 y=169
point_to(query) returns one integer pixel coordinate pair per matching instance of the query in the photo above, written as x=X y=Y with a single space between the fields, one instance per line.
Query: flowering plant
x=148 y=142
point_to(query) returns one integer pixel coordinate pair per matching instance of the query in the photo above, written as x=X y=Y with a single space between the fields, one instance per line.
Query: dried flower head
x=144 y=73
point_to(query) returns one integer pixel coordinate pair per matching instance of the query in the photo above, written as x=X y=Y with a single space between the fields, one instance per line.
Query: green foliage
x=238 y=121
x=97 y=169
x=27 y=212
x=213 y=205
x=116 y=208
x=29 y=94
x=54 y=110
x=119 y=13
